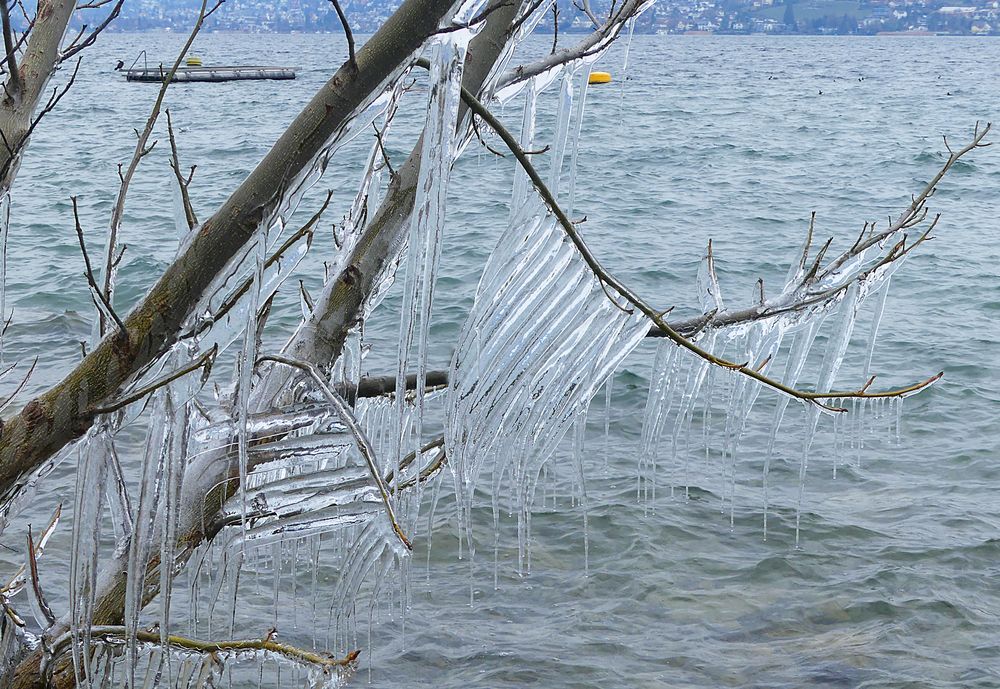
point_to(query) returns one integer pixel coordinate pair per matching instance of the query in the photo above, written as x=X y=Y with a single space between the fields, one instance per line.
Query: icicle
x=245 y=367
x=558 y=148
x=832 y=360
x=628 y=47
x=583 y=81
x=876 y=321
x=522 y=183
x=151 y=486
x=801 y=346
x=607 y=420
x=90 y=488
x=4 y=234
x=424 y=246
x=579 y=441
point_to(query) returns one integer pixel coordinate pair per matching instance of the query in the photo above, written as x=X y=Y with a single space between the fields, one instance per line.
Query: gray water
x=734 y=139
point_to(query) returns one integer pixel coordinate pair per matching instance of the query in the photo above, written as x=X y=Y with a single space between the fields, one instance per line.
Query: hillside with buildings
x=667 y=16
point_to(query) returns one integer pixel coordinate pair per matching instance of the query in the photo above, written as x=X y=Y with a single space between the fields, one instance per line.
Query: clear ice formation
x=542 y=339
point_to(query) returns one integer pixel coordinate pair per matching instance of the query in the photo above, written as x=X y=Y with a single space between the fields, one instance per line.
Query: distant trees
x=788 y=19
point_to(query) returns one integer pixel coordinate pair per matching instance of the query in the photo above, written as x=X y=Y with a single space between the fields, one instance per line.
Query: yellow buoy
x=193 y=61
x=600 y=78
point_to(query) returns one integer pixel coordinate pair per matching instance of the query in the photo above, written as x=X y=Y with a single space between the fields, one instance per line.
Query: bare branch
x=77 y=45
x=8 y=41
x=352 y=58
x=122 y=330
x=182 y=184
x=555 y=28
x=141 y=149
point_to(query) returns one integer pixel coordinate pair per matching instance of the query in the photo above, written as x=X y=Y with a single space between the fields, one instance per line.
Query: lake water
x=730 y=138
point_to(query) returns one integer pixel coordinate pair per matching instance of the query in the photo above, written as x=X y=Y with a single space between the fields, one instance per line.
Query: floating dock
x=200 y=73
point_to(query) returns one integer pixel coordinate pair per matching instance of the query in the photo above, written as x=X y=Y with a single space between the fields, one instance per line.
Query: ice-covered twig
x=117 y=634
x=347 y=416
x=593 y=42
x=632 y=298
x=305 y=232
x=433 y=466
x=374 y=386
x=204 y=363
x=36 y=586
x=820 y=283
x=408 y=459
x=19 y=579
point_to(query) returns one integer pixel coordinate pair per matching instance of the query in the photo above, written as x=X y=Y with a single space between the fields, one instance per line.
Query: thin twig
x=555 y=28
x=182 y=184
x=122 y=330
x=24 y=381
x=141 y=150
x=77 y=45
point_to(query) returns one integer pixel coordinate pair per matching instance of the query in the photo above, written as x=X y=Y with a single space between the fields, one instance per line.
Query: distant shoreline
x=880 y=34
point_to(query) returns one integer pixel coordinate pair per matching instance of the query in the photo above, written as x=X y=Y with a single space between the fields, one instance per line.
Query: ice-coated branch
x=364 y=445
x=339 y=307
x=654 y=315
x=203 y=363
x=816 y=282
x=432 y=467
x=117 y=634
x=60 y=414
x=594 y=42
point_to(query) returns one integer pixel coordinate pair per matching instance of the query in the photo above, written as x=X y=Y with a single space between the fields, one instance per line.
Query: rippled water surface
x=734 y=139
